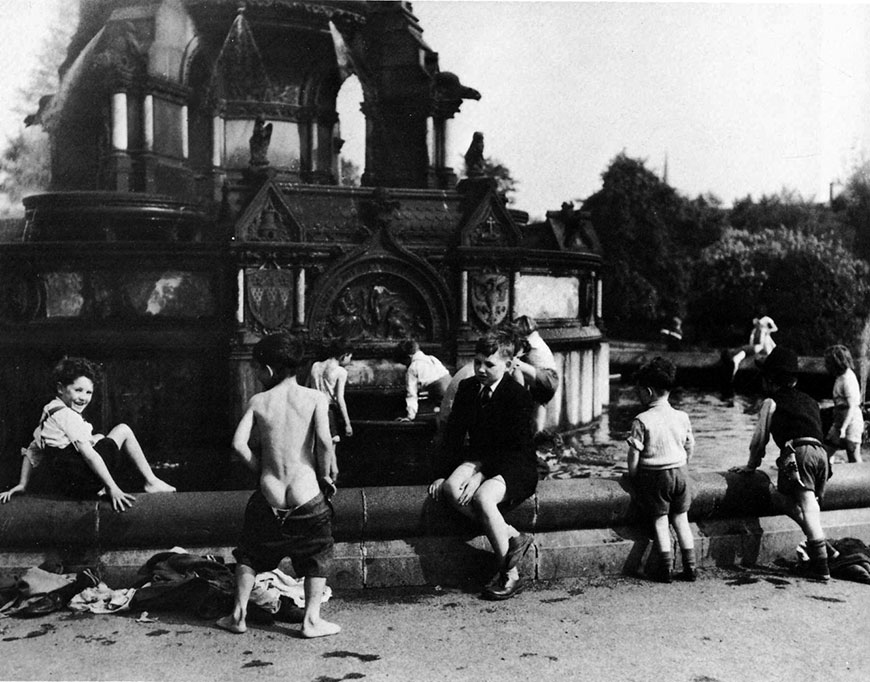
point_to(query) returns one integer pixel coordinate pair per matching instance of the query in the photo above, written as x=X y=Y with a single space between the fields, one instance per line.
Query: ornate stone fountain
x=195 y=206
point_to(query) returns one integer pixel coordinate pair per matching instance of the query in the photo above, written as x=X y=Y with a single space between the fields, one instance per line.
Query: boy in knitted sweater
x=659 y=447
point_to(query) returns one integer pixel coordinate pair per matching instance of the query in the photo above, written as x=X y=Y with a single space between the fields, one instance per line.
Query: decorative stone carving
x=475 y=164
x=377 y=308
x=259 y=141
x=269 y=295
x=488 y=232
x=268 y=218
x=490 y=297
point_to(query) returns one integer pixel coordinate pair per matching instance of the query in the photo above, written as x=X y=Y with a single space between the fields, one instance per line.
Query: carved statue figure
x=447 y=87
x=474 y=164
x=259 y=141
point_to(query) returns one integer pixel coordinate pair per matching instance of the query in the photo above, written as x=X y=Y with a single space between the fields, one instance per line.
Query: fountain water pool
x=722 y=428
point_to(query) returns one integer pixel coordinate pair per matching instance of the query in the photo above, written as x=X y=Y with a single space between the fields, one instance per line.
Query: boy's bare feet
x=230 y=624
x=322 y=628
x=158 y=486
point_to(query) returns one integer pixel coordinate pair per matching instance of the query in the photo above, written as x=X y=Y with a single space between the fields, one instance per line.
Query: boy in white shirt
x=424 y=372
x=82 y=462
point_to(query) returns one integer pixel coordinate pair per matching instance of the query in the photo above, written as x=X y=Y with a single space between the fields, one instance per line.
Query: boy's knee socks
x=661 y=567
x=688 y=564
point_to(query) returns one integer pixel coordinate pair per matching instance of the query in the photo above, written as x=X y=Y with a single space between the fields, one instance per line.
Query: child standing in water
x=289 y=513
x=330 y=378
x=82 y=463
x=792 y=419
x=848 y=427
x=660 y=445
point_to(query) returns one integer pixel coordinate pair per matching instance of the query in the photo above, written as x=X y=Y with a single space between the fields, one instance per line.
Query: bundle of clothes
x=173 y=581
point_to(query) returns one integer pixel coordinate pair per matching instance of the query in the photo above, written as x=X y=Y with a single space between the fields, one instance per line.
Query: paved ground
x=735 y=626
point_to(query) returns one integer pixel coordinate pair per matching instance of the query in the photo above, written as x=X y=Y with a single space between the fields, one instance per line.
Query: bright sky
x=740 y=98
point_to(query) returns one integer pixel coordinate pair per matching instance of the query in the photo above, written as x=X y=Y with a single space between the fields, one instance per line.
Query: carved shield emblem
x=270 y=297
x=490 y=297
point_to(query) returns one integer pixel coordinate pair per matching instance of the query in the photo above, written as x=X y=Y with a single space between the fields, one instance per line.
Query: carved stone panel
x=490 y=297
x=380 y=306
x=489 y=232
x=269 y=294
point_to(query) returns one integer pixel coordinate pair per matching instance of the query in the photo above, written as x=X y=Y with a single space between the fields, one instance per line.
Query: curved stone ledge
x=203 y=519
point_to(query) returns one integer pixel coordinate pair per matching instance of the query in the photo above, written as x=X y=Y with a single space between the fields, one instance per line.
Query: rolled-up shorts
x=663 y=491
x=811 y=472
x=71 y=474
x=304 y=534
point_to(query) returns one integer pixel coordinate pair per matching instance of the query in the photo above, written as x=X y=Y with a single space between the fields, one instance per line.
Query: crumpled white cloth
x=270 y=586
x=102 y=599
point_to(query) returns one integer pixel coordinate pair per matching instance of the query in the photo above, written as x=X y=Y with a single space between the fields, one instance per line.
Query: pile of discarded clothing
x=172 y=581
x=848 y=559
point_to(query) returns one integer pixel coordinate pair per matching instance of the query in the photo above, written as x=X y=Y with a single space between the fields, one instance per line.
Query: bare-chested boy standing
x=288 y=515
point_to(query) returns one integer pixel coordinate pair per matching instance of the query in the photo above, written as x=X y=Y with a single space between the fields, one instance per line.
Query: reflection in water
x=722 y=433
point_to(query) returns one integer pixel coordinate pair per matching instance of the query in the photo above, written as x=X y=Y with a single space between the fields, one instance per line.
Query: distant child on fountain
x=497 y=468
x=289 y=513
x=848 y=426
x=659 y=447
x=425 y=372
x=330 y=378
x=82 y=463
x=792 y=419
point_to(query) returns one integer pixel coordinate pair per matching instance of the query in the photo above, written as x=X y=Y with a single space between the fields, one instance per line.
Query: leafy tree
x=855 y=201
x=650 y=236
x=506 y=185
x=25 y=162
x=350 y=174
x=814 y=288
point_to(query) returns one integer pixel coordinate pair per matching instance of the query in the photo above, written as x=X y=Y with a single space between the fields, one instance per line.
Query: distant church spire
x=665 y=172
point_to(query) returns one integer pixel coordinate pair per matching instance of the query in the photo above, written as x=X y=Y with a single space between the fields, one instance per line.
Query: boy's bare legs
x=662 y=533
x=128 y=443
x=853 y=451
x=680 y=522
x=235 y=622
x=686 y=540
x=312 y=624
x=498 y=531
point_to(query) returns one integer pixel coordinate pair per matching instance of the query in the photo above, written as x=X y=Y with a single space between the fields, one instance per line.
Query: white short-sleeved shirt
x=63 y=427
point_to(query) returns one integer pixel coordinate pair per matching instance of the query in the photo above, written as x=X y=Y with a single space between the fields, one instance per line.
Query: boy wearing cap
x=792 y=419
x=659 y=448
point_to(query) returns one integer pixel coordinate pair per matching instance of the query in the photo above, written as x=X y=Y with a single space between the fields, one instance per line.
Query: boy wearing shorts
x=659 y=447
x=498 y=468
x=289 y=514
x=792 y=419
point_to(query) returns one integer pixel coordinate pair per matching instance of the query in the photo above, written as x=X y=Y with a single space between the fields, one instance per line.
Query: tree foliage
x=25 y=162
x=814 y=288
x=506 y=185
x=650 y=236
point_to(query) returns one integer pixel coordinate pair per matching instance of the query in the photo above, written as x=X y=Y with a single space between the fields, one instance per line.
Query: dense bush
x=650 y=236
x=815 y=289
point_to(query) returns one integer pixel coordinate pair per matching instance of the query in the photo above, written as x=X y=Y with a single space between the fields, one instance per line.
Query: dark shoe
x=660 y=573
x=688 y=574
x=502 y=587
x=517 y=548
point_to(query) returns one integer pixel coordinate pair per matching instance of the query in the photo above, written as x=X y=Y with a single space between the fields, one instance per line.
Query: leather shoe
x=517 y=548
x=503 y=587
